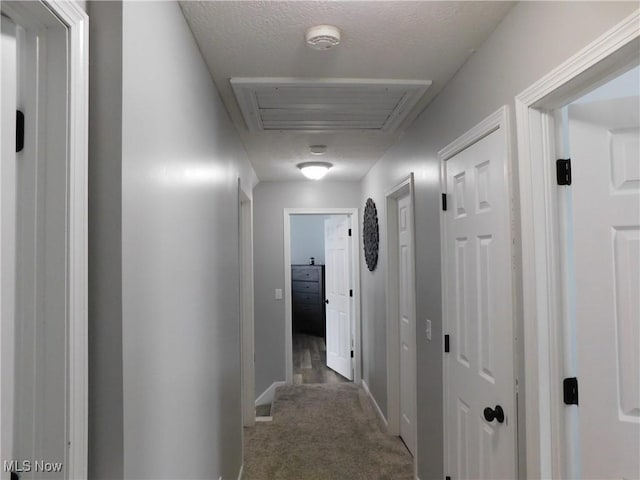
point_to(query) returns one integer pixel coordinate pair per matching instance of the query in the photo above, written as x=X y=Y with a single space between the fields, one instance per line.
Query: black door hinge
x=349 y=232
x=15 y=476
x=570 y=391
x=351 y=353
x=19 y=131
x=447 y=477
x=444 y=202
x=446 y=343
x=350 y=293
x=563 y=171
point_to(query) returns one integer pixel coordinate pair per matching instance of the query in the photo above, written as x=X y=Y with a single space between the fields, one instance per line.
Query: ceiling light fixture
x=314 y=170
x=322 y=37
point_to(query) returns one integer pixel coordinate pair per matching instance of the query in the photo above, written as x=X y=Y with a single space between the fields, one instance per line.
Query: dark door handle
x=327 y=301
x=494 y=414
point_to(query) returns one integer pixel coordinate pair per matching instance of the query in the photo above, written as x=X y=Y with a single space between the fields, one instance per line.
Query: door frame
x=76 y=63
x=542 y=259
x=7 y=305
x=352 y=213
x=496 y=121
x=247 y=345
x=405 y=186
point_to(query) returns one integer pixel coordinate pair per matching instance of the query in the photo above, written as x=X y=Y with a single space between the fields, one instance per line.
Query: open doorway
x=599 y=213
x=579 y=210
x=320 y=281
x=321 y=295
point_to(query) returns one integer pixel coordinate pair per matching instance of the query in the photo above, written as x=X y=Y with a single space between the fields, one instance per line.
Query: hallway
x=155 y=156
x=323 y=432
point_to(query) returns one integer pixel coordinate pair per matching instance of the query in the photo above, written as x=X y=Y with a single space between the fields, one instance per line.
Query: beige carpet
x=324 y=432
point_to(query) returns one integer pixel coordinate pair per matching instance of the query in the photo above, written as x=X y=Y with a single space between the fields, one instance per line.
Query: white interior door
x=605 y=157
x=338 y=301
x=480 y=366
x=7 y=238
x=407 y=324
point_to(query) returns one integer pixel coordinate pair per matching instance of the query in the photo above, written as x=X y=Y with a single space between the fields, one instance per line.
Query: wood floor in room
x=310 y=361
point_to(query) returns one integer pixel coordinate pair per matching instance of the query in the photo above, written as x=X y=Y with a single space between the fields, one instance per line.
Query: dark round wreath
x=370 y=234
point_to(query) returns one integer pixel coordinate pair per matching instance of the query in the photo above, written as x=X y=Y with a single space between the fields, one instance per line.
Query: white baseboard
x=375 y=404
x=241 y=470
x=267 y=396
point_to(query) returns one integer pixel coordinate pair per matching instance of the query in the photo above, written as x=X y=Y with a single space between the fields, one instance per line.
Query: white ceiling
x=411 y=40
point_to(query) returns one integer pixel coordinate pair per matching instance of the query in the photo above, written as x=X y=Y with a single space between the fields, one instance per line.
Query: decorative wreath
x=370 y=234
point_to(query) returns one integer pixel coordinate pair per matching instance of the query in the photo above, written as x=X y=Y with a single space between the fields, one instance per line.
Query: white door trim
x=541 y=257
x=355 y=266
x=393 y=303
x=497 y=120
x=77 y=65
x=245 y=224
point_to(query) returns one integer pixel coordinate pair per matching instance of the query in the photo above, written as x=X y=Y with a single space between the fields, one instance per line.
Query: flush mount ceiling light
x=314 y=170
x=322 y=37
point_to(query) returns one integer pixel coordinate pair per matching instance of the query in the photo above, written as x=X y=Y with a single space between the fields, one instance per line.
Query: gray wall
x=270 y=200
x=307 y=238
x=534 y=38
x=175 y=411
x=105 y=241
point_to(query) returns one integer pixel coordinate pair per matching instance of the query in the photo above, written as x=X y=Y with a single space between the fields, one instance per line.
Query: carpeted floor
x=324 y=432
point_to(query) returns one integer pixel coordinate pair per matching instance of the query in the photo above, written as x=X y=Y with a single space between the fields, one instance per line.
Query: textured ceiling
x=414 y=40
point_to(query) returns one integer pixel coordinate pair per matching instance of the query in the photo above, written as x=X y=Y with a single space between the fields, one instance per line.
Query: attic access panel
x=326 y=104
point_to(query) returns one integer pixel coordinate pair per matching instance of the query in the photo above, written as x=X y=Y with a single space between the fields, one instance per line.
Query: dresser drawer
x=305 y=287
x=309 y=319
x=301 y=297
x=308 y=274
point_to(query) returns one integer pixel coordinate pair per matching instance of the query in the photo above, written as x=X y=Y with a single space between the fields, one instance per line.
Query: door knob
x=494 y=414
x=327 y=301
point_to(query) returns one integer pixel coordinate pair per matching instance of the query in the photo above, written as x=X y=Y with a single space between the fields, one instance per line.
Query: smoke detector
x=323 y=37
x=318 y=149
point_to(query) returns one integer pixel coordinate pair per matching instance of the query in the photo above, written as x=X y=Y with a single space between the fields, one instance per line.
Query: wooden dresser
x=307 y=292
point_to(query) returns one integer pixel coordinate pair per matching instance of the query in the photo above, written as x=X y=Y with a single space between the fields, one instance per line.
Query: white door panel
x=605 y=157
x=480 y=371
x=407 y=325
x=337 y=285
